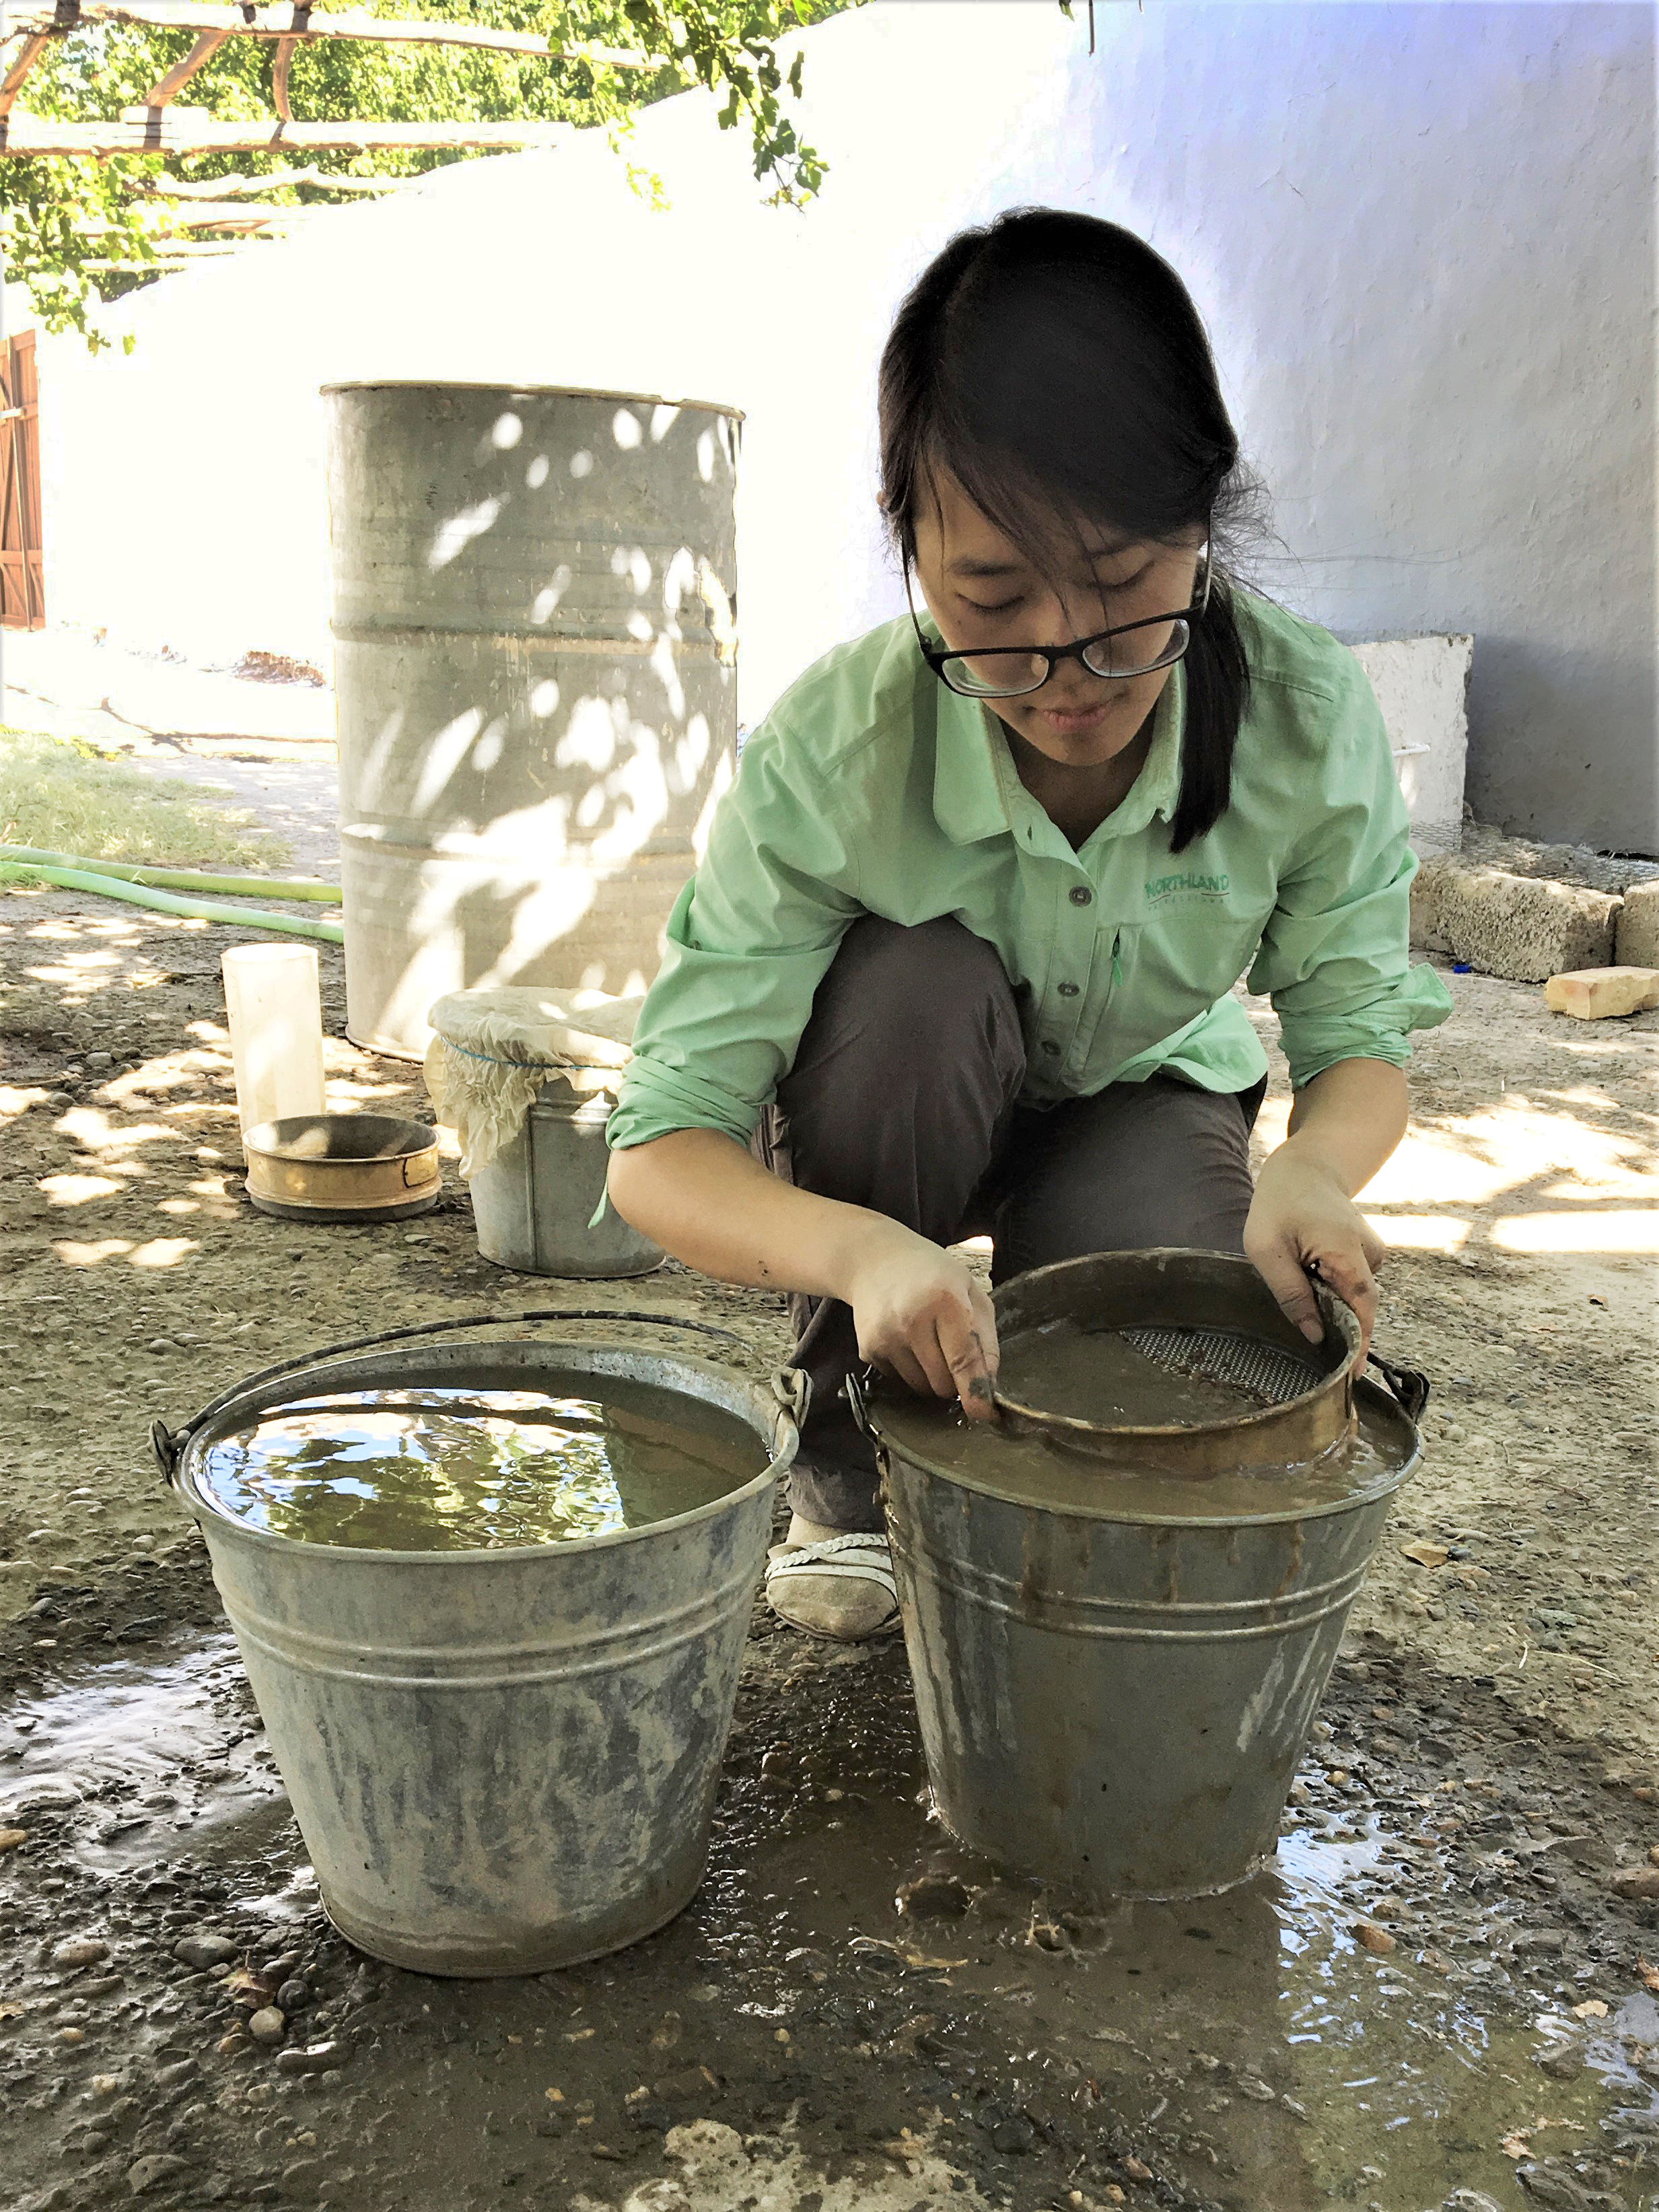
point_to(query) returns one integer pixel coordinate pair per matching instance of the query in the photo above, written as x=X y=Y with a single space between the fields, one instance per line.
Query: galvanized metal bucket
x=501 y=1761
x=534 y=1203
x=1116 y=1700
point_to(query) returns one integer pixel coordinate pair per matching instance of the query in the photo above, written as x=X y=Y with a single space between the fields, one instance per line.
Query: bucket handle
x=790 y=1387
x=1408 y=1385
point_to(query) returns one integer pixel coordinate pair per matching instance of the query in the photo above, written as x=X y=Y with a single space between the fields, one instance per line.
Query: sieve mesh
x=1260 y=1370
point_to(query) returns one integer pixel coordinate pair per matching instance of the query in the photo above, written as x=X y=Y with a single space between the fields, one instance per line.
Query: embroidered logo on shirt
x=1161 y=889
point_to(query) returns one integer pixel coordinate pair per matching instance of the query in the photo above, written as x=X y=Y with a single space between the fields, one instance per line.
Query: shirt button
x=1048 y=1045
x=1067 y=990
x=1080 y=895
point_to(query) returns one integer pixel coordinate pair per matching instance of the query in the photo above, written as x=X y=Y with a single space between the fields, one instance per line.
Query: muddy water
x=1248 y=2044
x=1292 y=2067
x=1033 y=1468
x=147 y=1757
x=1102 y=1375
x=477 y=1469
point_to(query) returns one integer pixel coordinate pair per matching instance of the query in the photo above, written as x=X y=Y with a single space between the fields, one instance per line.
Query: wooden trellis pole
x=186 y=131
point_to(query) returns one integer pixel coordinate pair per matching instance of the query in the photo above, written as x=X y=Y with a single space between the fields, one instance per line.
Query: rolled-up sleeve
x=1333 y=956
x=750 y=940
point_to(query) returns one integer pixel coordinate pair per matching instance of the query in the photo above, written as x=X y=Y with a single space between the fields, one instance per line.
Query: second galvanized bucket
x=501 y=1760
x=1113 y=1696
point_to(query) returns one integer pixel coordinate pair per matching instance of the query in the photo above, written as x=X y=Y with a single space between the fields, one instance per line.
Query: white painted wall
x=1421 y=236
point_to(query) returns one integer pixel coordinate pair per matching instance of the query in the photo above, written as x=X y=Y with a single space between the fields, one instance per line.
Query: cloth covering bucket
x=501 y=1761
x=1116 y=1700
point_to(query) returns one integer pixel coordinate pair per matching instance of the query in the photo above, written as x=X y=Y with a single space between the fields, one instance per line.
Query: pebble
x=145 y=2174
x=1561 y=2059
x=11 y=1838
x=268 y=2025
x=202 y=1950
x=294 y=1995
x=79 y=1951
x=1635 y=1882
x=310 y=2058
x=1371 y=1938
x=160 y=1345
x=1471 y=2200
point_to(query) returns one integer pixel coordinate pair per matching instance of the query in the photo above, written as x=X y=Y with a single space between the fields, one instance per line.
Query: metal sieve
x=1207 y=1314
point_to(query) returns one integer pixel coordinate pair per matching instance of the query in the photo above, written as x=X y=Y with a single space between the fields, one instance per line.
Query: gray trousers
x=902 y=1099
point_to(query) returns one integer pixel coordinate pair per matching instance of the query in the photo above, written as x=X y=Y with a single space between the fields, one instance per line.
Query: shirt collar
x=969 y=798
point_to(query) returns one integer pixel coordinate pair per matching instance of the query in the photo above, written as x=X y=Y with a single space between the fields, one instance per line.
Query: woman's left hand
x=1301 y=1218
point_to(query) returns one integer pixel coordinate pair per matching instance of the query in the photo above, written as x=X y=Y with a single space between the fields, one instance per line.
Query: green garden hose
x=135 y=894
x=180 y=879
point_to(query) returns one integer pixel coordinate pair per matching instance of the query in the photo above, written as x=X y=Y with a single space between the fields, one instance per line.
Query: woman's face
x=981 y=590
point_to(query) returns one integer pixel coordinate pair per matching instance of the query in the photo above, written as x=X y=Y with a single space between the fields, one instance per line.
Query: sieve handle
x=168 y=1444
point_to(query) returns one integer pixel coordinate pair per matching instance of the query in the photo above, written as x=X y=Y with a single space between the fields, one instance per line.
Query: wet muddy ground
x=1449 y=1983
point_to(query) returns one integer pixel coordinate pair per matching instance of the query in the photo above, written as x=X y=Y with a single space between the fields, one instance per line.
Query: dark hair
x=1053 y=364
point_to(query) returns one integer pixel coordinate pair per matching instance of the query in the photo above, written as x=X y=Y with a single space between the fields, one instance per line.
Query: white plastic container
x=274 y=1002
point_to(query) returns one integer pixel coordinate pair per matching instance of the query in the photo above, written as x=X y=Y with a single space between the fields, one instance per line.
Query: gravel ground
x=1447 y=1985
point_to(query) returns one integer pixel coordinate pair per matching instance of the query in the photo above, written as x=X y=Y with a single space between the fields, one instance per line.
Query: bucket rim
x=206 y=1511
x=1385 y=1486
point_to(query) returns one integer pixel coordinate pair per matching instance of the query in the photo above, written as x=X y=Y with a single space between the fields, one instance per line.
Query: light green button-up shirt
x=872 y=788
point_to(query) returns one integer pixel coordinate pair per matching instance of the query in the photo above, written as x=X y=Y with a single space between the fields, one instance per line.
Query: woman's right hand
x=922 y=1312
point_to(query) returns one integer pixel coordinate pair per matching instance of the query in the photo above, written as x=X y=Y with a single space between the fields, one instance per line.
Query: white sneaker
x=833 y=1582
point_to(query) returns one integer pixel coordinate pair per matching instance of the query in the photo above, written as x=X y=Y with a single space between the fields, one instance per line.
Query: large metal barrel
x=501 y=1761
x=536 y=675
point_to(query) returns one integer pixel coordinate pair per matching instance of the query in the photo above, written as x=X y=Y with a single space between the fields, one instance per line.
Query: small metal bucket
x=535 y=1202
x=1115 y=1698
x=501 y=1761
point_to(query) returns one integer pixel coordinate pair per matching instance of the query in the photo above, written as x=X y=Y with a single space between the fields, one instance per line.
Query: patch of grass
x=64 y=796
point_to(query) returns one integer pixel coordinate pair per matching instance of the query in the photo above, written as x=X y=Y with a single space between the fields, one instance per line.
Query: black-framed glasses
x=1134 y=648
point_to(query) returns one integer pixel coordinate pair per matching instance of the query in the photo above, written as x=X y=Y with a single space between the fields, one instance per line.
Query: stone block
x=1595 y=995
x=1638 y=942
x=1526 y=928
x=1422 y=686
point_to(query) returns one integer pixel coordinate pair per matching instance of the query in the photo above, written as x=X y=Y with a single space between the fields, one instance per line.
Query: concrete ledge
x=1422 y=687
x=1526 y=928
x=1637 y=941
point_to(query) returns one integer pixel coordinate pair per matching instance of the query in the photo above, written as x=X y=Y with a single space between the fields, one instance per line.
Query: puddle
x=1253 y=2032
x=1248 y=2044
x=147 y=1759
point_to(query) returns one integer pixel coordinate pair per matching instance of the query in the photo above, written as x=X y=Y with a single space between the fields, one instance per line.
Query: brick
x=1638 y=942
x=1526 y=928
x=1595 y=994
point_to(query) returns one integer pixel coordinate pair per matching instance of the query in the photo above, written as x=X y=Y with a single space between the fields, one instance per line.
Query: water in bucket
x=453 y=1468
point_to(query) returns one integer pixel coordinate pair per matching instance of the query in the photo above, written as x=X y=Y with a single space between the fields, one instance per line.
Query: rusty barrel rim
x=735 y=1394
x=528 y=391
